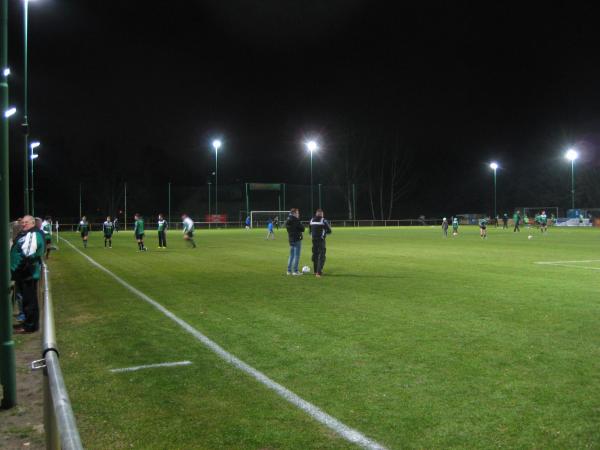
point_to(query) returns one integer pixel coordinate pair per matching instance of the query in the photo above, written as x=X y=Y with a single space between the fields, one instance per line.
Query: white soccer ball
x=530 y=237
x=306 y=269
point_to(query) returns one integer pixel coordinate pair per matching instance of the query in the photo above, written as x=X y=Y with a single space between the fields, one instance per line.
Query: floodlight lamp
x=6 y=72
x=34 y=144
x=493 y=166
x=571 y=155
x=216 y=144
x=34 y=156
x=10 y=112
x=312 y=146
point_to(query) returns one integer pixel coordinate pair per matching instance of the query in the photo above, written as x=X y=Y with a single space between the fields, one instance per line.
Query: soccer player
x=47 y=231
x=517 y=220
x=188 y=229
x=270 y=233
x=116 y=224
x=319 y=229
x=276 y=222
x=543 y=222
x=504 y=221
x=108 y=228
x=455 y=225
x=162 y=231
x=295 y=229
x=138 y=230
x=248 y=223
x=84 y=230
x=483 y=228
x=445 y=227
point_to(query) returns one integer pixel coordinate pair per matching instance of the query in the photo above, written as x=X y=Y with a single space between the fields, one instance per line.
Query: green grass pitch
x=414 y=340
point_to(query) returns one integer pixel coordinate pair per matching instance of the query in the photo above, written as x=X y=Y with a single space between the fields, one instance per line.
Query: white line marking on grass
x=568 y=262
x=151 y=366
x=350 y=434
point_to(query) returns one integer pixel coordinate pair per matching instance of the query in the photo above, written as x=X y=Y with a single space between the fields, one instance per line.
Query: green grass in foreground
x=415 y=340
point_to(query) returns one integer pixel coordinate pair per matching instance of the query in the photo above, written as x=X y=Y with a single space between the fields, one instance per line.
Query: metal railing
x=59 y=420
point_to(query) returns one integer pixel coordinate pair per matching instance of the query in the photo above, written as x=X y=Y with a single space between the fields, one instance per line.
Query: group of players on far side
x=109 y=227
x=540 y=222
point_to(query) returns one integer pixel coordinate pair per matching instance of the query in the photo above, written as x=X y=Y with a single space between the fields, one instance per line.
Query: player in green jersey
x=162 y=231
x=108 y=228
x=47 y=231
x=454 y=226
x=138 y=231
x=517 y=220
x=84 y=230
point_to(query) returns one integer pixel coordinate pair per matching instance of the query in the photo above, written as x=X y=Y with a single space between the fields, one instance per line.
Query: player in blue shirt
x=248 y=223
x=270 y=234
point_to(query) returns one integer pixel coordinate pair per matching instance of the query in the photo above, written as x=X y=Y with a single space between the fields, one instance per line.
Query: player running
x=483 y=223
x=162 y=231
x=84 y=230
x=138 y=231
x=108 y=228
x=188 y=229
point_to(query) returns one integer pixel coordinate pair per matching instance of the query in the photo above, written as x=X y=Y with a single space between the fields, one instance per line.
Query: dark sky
x=456 y=83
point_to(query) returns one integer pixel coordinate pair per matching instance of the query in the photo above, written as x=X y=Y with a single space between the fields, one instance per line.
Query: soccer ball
x=306 y=269
x=530 y=237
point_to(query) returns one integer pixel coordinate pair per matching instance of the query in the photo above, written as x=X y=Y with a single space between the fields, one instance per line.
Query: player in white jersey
x=188 y=229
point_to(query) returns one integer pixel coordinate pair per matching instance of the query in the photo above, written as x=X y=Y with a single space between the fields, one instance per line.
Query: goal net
x=259 y=219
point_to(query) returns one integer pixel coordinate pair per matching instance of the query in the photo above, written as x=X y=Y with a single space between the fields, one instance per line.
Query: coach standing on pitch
x=319 y=229
x=294 y=229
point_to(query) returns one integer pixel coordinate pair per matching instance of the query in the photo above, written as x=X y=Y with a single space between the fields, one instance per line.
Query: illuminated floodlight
x=34 y=156
x=216 y=144
x=312 y=146
x=34 y=144
x=10 y=112
x=571 y=155
x=6 y=72
x=493 y=166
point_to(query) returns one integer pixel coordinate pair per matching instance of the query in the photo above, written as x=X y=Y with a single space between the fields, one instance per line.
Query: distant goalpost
x=261 y=218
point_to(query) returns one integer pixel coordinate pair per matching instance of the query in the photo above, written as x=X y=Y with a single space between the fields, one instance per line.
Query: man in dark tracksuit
x=319 y=229
x=295 y=229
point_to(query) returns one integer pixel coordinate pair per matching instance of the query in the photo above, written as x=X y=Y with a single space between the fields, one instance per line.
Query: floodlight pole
x=311 y=183
x=495 y=209
x=209 y=200
x=25 y=124
x=320 y=196
x=573 y=183
x=125 y=210
x=169 y=203
x=216 y=181
x=31 y=187
x=8 y=373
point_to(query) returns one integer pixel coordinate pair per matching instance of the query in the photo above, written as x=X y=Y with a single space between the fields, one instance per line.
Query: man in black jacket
x=295 y=229
x=319 y=229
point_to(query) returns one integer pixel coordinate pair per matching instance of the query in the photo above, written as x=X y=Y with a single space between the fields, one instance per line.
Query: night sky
x=135 y=91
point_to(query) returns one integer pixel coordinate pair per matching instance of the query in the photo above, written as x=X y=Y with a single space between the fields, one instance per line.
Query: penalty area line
x=343 y=430
x=151 y=366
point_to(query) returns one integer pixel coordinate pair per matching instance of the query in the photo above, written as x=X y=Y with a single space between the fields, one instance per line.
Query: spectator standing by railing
x=26 y=256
